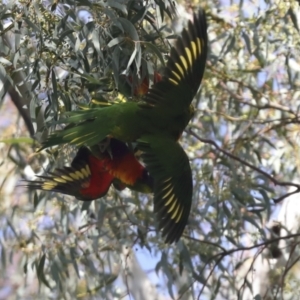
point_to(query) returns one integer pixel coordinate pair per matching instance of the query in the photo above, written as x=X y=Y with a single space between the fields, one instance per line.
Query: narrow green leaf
x=5 y=61
x=74 y=255
x=35 y=200
x=20 y=140
x=115 y=41
x=247 y=41
x=54 y=95
x=40 y=271
x=30 y=24
x=152 y=48
x=118 y=5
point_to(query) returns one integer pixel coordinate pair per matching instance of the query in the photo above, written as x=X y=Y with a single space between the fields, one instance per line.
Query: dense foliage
x=243 y=144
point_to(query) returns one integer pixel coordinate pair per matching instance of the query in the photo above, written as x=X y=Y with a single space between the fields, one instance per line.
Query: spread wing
x=167 y=162
x=184 y=70
x=86 y=178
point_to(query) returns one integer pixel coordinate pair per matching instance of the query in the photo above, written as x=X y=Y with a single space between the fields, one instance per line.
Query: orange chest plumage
x=126 y=168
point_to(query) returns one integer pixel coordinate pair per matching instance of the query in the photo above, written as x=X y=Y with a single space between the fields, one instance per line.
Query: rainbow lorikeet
x=155 y=124
x=93 y=171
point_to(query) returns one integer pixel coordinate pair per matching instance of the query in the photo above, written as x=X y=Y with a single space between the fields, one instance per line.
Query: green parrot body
x=156 y=124
x=120 y=121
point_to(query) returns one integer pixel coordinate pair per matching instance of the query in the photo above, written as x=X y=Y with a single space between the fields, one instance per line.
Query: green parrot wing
x=184 y=70
x=168 y=164
x=87 y=127
x=70 y=180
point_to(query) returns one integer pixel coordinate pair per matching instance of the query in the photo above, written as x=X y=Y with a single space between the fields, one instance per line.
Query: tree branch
x=271 y=178
x=219 y=256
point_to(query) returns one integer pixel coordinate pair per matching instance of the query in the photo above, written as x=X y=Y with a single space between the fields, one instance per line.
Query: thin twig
x=277 y=200
x=259 y=107
x=274 y=180
x=219 y=256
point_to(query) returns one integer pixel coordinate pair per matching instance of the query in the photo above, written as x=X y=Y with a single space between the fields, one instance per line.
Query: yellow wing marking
x=199 y=42
x=172 y=207
x=167 y=194
x=83 y=136
x=48 y=186
x=179 y=69
x=184 y=62
x=176 y=75
x=170 y=200
x=167 y=186
x=85 y=171
x=88 y=170
x=194 y=49
x=173 y=81
x=175 y=213
x=189 y=55
x=179 y=215
x=74 y=175
x=79 y=174
x=68 y=178
x=69 y=134
x=60 y=180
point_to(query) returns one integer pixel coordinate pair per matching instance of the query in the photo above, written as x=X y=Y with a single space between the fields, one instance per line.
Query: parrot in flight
x=155 y=123
x=92 y=172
